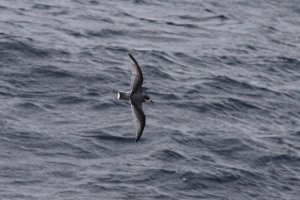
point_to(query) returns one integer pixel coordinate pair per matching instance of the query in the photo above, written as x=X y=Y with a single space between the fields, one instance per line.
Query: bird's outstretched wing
x=140 y=120
x=137 y=76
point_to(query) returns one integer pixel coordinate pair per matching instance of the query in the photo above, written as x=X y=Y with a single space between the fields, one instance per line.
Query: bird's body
x=136 y=97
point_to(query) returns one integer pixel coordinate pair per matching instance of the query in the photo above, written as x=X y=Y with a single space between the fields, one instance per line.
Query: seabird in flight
x=136 y=97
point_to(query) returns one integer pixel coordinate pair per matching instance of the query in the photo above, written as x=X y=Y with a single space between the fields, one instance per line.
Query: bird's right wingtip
x=137 y=139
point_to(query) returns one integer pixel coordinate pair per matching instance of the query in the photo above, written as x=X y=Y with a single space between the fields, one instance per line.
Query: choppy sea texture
x=224 y=75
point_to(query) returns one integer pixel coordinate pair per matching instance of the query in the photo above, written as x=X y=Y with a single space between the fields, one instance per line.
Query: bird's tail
x=123 y=95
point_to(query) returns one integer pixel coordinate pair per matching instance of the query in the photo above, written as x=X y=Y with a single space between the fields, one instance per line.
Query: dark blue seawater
x=224 y=75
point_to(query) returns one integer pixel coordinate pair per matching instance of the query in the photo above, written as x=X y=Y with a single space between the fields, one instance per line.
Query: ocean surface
x=224 y=77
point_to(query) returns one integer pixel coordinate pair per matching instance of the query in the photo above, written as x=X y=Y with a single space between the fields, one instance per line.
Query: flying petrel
x=136 y=97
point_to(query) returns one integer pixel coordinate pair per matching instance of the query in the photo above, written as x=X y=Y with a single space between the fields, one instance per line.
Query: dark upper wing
x=140 y=120
x=137 y=76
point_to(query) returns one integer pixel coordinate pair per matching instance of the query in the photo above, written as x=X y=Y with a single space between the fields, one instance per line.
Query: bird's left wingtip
x=129 y=54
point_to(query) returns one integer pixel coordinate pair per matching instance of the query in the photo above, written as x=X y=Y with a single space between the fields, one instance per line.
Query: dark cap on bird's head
x=147 y=98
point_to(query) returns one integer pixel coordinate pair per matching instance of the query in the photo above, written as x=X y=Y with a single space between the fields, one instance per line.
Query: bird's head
x=147 y=98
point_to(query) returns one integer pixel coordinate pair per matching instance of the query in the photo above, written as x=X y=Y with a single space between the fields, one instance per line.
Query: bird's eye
x=147 y=97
